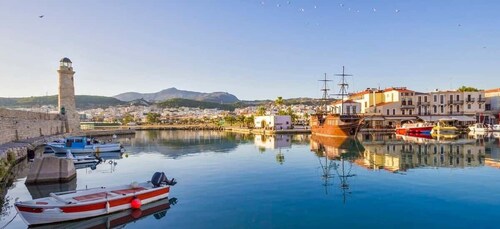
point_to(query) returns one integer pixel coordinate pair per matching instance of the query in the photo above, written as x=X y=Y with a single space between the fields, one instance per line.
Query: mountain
x=178 y=102
x=82 y=101
x=171 y=93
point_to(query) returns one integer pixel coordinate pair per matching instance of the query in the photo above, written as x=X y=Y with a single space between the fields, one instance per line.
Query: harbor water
x=228 y=180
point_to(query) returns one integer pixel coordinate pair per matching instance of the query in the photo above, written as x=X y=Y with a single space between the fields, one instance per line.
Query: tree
x=467 y=89
x=230 y=119
x=153 y=118
x=127 y=118
x=279 y=101
x=293 y=116
x=261 y=111
x=249 y=121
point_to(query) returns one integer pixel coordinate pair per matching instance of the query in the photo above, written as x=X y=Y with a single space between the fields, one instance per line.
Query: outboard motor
x=160 y=178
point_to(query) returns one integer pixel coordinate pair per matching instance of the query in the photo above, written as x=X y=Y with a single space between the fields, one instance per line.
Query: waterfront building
x=273 y=141
x=492 y=105
x=66 y=98
x=274 y=122
x=346 y=107
x=463 y=106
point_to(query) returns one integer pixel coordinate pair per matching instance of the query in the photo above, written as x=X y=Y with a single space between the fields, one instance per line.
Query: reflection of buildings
x=273 y=141
x=407 y=153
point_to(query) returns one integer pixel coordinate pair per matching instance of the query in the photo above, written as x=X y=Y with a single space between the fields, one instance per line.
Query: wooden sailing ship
x=339 y=124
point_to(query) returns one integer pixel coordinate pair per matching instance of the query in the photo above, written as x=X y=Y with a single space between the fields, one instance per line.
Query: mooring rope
x=7 y=224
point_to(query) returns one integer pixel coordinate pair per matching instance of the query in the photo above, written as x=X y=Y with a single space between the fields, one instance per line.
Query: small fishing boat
x=415 y=128
x=78 y=160
x=442 y=128
x=495 y=127
x=86 y=203
x=84 y=145
x=478 y=128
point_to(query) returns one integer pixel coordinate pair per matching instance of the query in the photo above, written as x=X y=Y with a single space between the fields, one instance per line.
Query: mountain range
x=171 y=93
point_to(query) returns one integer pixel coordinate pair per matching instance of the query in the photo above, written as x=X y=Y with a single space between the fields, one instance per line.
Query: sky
x=252 y=49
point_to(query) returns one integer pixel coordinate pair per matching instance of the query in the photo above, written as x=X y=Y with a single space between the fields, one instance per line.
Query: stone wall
x=19 y=125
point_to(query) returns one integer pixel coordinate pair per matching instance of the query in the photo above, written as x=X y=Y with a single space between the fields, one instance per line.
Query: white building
x=274 y=122
x=346 y=107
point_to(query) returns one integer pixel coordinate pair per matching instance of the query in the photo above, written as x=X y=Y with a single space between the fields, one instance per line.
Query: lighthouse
x=66 y=99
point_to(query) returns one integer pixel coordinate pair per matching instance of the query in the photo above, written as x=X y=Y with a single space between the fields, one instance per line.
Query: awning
x=464 y=118
x=400 y=118
x=374 y=118
x=460 y=118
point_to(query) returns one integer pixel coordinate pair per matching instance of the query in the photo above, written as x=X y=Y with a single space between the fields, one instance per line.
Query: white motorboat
x=495 y=127
x=78 y=160
x=478 y=128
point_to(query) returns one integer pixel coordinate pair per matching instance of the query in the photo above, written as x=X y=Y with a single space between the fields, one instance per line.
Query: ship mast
x=343 y=89
x=325 y=94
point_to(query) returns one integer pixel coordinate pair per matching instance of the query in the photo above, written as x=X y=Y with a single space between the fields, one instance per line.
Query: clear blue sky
x=253 y=49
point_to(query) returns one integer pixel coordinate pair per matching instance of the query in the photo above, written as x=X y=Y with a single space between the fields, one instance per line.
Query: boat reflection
x=157 y=209
x=336 y=157
x=401 y=153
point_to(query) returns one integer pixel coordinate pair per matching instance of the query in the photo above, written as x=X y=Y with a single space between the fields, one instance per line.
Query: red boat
x=80 y=204
x=415 y=128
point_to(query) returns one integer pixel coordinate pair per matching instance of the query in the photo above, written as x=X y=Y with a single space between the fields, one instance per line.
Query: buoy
x=136 y=203
x=136 y=213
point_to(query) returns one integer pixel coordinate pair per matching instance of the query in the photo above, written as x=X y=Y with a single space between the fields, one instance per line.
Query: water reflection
x=177 y=143
x=157 y=210
x=336 y=157
x=401 y=153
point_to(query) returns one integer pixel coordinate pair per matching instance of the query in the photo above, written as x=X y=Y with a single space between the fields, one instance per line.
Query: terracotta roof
x=382 y=104
x=400 y=89
x=492 y=90
x=345 y=101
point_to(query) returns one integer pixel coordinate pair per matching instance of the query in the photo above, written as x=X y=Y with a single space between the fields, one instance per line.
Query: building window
x=387 y=111
x=458 y=97
x=468 y=98
x=451 y=98
x=468 y=106
x=354 y=109
x=435 y=109
x=435 y=98
x=393 y=111
x=419 y=99
x=458 y=108
x=480 y=104
x=411 y=111
x=441 y=99
x=425 y=98
x=442 y=109
x=403 y=112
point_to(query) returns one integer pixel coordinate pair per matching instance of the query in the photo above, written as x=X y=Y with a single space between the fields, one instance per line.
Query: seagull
x=288 y=2
x=262 y=3
x=397 y=11
x=278 y=5
x=484 y=47
x=341 y=5
x=41 y=16
x=459 y=24
x=374 y=10
x=302 y=9
x=315 y=7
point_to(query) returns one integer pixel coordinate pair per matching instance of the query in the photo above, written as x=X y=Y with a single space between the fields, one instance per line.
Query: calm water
x=295 y=181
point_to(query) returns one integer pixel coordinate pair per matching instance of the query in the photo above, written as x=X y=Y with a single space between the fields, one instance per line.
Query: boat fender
x=136 y=213
x=136 y=203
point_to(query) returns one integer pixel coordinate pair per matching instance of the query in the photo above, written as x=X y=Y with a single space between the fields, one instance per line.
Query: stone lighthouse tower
x=67 y=104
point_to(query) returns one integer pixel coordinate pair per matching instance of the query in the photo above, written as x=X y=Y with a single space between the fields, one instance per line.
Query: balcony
x=407 y=106
x=423 y=103
x=458 y=102
x=481 y=100
x=470 y=100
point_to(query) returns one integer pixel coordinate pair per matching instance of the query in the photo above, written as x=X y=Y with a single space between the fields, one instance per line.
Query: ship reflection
x=336 y=157
x=157 y=209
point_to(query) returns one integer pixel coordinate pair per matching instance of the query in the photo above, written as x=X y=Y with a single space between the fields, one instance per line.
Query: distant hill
x=171 y=93
x=82 y=101
x=177 y=102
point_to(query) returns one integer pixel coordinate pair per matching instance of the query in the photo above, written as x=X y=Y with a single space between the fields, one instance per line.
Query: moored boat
x=478 y=128
x=80 y=204
x=415 y=128
x=442 y=128
x=495 y=127
x=84 y=145
x=341 y=124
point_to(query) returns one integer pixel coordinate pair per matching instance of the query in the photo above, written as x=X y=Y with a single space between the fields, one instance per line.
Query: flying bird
x=288 y=2
x=341 y=5
x=41 y=16
x=374 y=10
x=278 y=5
x=397 y=11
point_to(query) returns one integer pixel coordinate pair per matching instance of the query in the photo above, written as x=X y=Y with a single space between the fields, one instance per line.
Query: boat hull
x=88 y=150
x=40 y=214
x=333 y=126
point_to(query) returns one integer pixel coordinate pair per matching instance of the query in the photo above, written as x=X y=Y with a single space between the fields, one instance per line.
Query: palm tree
x=261 y=111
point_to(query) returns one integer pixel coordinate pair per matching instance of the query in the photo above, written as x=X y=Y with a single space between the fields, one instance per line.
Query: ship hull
x=332 y=126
